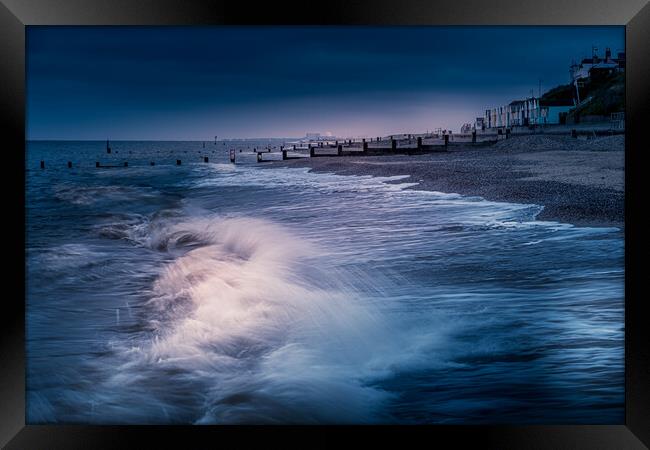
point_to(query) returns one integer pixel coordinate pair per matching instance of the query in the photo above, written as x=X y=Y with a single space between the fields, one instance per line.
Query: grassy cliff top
x=607 y=93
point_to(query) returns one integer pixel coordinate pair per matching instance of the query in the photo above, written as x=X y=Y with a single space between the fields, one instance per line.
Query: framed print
x=385 y=219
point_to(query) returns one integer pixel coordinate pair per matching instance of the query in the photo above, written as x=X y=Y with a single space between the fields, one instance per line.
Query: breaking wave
x=250 y=316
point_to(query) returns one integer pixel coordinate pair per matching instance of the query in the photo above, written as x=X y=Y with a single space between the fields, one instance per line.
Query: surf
x=246 y=313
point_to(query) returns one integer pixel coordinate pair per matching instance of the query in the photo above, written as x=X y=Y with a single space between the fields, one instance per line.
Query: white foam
x=275 y=339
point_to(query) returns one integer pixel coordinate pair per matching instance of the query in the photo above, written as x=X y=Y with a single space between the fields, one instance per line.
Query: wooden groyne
x=408 y=144
x=400 y=144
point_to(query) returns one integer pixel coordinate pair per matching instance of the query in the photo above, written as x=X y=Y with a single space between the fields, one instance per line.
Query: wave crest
x=273 y=337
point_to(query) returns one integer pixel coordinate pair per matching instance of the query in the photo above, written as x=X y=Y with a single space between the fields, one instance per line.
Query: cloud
x=129 y=77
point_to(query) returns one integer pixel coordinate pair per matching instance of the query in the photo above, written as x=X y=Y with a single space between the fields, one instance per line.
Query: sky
x=195 y=83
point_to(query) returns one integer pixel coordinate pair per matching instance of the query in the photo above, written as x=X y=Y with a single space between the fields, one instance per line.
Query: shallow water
x=219 y=293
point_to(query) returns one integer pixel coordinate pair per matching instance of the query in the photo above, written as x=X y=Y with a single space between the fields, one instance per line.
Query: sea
x=247 y=293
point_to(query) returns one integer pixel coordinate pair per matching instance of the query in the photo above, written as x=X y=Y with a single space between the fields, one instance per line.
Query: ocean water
x=212 y=293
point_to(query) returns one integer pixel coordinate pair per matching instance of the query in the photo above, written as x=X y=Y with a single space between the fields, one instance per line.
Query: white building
x=594 y=66
x=589 y=65
x=518 y=113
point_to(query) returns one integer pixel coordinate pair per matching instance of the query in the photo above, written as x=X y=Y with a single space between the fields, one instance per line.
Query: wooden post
x=178 y=162
x=339 y=150
x=42 y=164
x=365 y=147
x=446 y=140
x=126 y=164
x=97 y=164
x=108 y=148
x=284 y=155
x=312 y=152
x=69 y=164
x=419 y=142
x=205 y=159
x=474 y=137
x=393 y=144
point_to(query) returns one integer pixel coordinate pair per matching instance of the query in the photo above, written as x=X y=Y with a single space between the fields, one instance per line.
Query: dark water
x=214 y=293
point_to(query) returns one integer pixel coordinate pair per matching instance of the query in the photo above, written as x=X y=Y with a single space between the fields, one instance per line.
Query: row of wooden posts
x=338 y=146
x=125 y=164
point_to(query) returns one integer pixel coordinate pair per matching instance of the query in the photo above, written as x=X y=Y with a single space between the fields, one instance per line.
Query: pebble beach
x=577 y=181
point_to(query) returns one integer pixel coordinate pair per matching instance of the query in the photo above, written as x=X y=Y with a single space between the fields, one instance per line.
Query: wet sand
x=578 y=182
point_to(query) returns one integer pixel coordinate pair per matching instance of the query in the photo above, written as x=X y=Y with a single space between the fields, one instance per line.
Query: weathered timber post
x=69 y=164
x=178 y=162
x=393 y=144
x=339 y=149
x=312 y=152
x=419 y=142
x=446 y=140
x=474 y=137
x=205 y=159
x=284 y=155
x=42 y=164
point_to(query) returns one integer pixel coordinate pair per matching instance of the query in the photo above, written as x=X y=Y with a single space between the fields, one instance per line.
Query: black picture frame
x=16 y=14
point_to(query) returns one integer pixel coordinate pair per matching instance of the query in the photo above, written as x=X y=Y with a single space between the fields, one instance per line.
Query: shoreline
x=577 y=182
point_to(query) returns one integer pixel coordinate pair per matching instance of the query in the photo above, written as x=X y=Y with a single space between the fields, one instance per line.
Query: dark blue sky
x=198 y=82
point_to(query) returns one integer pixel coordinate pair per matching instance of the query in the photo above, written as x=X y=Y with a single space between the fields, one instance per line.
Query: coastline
x=581 y=182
